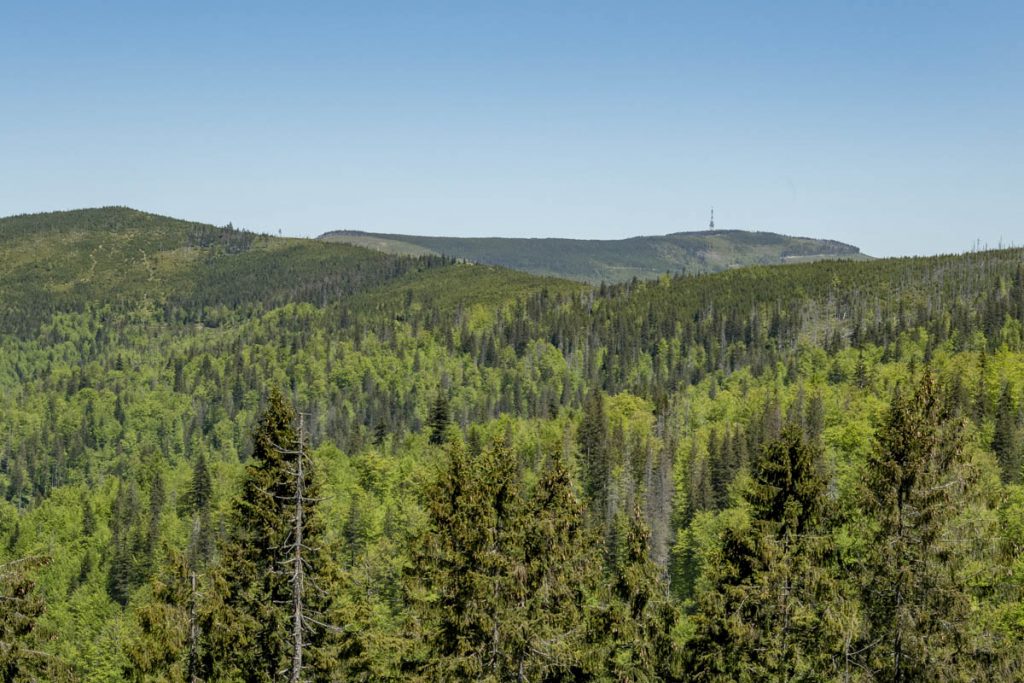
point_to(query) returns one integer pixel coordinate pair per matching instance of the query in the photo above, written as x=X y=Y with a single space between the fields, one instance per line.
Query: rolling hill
x=70 y=260
x=598 y=261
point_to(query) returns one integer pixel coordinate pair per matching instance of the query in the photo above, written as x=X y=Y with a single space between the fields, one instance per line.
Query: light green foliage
x=112 y=385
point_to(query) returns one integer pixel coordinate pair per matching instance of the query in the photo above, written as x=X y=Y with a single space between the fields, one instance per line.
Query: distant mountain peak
x=617 y=260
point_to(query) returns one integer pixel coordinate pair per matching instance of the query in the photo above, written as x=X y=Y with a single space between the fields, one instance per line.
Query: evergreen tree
x=463 y=567
x=761 y=619
x=592 y=438
x=198 y=499
x=500 y=580
x=88 y=518
x=20 y=608
x=254 y=587
x=560 y=568
x=918 y=482
x=200 y=489
x=439 y=419
x=127 y=543
x=1004 y=438
x=640 y=617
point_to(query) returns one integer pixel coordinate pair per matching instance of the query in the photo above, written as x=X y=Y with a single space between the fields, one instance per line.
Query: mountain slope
x=70 y=260
x=597 y=261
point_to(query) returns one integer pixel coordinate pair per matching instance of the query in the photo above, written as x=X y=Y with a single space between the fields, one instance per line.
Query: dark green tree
x=560 y=569
x=88 y=518
x=639 y=619
x=760 y=619
x=440 y=419
x=126 y=570
x=592 y=437
x=255 y=587
x=463 y=566
x=500 y=579
x=200 y=489
x=1004 y=437
x=20 y=608
x=918 y=481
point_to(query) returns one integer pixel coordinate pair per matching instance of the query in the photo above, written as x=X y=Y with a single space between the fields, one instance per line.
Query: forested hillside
x=240 y=458
x=597 y=261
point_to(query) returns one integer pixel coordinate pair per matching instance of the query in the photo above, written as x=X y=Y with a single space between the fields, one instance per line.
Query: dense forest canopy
x=234 y=457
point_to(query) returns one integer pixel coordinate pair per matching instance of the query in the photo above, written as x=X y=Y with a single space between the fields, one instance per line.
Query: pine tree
x=639 y=619
x=500 y=579
x=197 y=501
x=125 y=572
x=200 y=490
x=592 y=437
x=1004 y=438
x=255 y=588
x=918 y=482
x=560 y=569
x=462 y=567
x=20 y=608
x=760 y=620
x=439 y=419
x=88 y=518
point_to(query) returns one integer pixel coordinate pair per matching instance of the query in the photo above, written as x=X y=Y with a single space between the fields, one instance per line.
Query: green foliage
x=500 y=577
x=639 y=621
x=135 y=457
x=763 y=618
x=254 y=581
x=20 y=608
x=919 y=480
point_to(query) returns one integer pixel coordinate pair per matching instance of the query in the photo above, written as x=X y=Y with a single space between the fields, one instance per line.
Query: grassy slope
x=615 y=260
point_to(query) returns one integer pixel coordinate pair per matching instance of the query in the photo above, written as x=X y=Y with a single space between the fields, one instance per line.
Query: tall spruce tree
x=499 y=579
x=20 y=608
x=760 y=619
x=560 y=568
x=463 y=565
x=592 y=438
x=639 y=619
x=255 y=587
x=440 y=419
x=1004 y=437
x=127 y=543
x=918 y=481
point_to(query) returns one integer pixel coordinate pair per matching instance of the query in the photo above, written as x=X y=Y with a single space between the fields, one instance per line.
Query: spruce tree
x=439 y=419
x=200 y=490
x=127 y=544
x=560 y=567
x=639 y=618
x=760 y=619
x=255 y=589
x=88 y=518
x=197 y=501
x=918 y=481
x=20 y=609
x=592 y=438
x=500 y=579
x=462 y=567
x=1004 y=438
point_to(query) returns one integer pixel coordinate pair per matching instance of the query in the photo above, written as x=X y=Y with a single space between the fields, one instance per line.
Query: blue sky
x=897 y=126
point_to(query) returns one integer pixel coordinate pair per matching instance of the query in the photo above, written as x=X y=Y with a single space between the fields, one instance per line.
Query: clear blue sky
x=897 y=126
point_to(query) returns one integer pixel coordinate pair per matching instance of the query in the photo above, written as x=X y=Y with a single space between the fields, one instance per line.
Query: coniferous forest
x=226 y=456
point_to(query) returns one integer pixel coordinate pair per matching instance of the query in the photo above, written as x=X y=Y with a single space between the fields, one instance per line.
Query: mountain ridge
x=595 y=261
